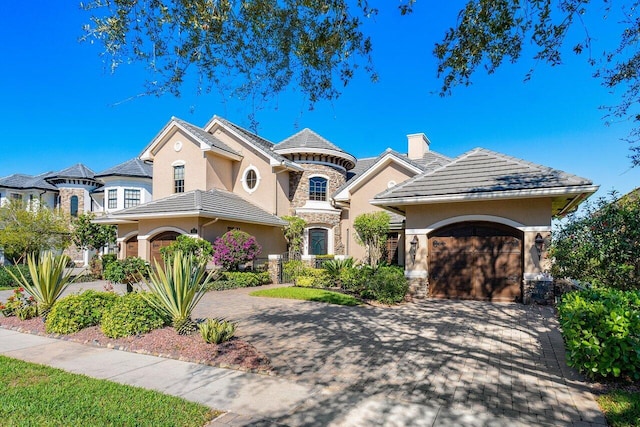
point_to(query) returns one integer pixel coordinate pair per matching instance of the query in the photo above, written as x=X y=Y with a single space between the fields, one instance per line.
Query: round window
x=251 y=179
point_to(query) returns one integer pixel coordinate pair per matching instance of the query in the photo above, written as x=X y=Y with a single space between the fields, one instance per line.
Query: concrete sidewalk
x=247 y=397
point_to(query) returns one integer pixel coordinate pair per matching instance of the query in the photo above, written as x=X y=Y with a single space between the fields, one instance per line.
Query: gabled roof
x=214 y=203
x=205 y=137
x=485 y=174
x=368 y=165
x=261 y=144
x=131 y=168
x=20 y=181
x=77 y=171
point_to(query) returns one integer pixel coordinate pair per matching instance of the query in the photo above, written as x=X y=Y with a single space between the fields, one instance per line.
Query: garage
x=476 y=260
x=159 y=242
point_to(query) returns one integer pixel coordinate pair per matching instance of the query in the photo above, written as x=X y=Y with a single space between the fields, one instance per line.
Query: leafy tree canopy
x=258 y=48
x=88 y=235
x=31 y=229
x=294 y=235
x=201 y=249
x=372 y=229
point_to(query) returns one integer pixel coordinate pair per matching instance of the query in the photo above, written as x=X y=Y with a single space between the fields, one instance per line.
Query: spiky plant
x=49 y=279
x=177 y=288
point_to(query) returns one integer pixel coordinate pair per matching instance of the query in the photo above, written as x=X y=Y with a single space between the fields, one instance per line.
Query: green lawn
x=36 y=395
x=6 y=288
x=307 y=294
x=621 y=408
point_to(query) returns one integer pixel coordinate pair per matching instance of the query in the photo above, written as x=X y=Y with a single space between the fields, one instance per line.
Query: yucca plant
x=49 y=279
x=217 y=331
x=335 y=266
x=177 y=288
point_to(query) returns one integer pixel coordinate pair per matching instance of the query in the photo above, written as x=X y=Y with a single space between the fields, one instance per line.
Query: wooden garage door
x=481 y=261
x=160 y=241
x=132 y=247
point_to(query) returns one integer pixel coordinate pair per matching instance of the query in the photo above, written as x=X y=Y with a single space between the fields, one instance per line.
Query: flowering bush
x=234 y=248
x=19 y=305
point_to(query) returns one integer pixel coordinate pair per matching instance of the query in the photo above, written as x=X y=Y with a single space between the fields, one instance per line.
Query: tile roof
x=482 y=171
x=205 y=137
x=78 y=171
x=23 y=182
x=214 y=203
x=306 y=138
x=133 y=168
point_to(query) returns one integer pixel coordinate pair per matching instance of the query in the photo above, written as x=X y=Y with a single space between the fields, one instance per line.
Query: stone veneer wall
x=299 y=195
x=65 y=199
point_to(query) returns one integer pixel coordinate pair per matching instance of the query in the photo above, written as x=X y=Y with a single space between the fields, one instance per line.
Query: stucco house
x=476 y=226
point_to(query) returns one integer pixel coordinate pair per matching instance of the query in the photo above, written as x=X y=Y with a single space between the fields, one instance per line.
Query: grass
x=36 y=395
x=6 y=288
x=621 y=408
x=307 y=294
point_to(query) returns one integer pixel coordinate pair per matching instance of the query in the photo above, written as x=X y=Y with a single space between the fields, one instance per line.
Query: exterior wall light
x=539 y=242
x=414 y=248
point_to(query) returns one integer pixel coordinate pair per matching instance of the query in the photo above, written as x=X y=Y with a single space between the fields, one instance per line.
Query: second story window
x=131 y=198
x=16 y=196
x=74 y=206
x=318 y=188
x=178 y=179
x=112 y=199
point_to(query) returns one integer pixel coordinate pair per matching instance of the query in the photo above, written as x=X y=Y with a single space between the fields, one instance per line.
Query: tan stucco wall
x=271 y=239
x=220 y=172
x=529 y=212
x=195 y=169
x=360 y=198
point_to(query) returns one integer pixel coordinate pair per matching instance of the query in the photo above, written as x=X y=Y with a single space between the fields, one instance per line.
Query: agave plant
x=49 y=279
x=177 y=287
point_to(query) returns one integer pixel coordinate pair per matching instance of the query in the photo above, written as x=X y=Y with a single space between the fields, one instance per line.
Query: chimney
x=418 y=145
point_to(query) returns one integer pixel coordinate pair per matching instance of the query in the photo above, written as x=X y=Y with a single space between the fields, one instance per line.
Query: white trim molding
x=415 y=274
x=160 y=230
x=485 y=218
x=243 y=180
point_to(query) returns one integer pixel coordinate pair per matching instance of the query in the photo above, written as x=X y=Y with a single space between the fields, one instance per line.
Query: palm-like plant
x=177 y=288
x=49 y=279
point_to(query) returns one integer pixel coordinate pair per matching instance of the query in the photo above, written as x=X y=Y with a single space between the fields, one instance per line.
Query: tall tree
x=89 y=235
x=372 y=229
x=258 y=48
x=33 y=229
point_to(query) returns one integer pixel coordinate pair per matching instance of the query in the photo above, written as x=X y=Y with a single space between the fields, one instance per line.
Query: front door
x=318 y=239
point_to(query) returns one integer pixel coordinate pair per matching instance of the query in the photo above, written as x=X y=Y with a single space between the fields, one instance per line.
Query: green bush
x=130 y=314
x=127 y=271
x=601 y=328
x=335 y=267
x=199 y=248
x=217 y=331
x=107 y=259
x=247 y=279
x=295 y=268
x=6 y=281
x=75 y=312
x=19 y=305
x=355 y=279
x=314 y=277
x=388 y=285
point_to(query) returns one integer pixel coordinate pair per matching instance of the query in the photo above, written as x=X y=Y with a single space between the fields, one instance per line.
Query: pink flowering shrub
x=235 y=247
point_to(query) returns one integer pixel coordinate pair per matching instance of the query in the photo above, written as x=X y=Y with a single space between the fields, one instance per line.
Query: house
x=474 y=227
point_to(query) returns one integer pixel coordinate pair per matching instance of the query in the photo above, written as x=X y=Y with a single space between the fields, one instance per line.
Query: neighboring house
x=124 y=186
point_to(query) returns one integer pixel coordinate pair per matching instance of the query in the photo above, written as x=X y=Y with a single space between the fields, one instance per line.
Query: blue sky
x=61 y=104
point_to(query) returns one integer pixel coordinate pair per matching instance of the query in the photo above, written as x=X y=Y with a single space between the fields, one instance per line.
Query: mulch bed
x=165 y=342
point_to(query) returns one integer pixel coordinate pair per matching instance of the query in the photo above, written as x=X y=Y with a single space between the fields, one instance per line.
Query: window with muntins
x=112 y=197
x=318 y=188
x=251 y=179
x=131 y=198
x=178 y=179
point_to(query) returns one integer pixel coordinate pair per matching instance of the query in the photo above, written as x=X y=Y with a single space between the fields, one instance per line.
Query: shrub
x=127 y=271
x=355 y=279
x=130 y=314
x=48 y=279
x=235 y=247
x=294 y=268
x=178 y=287
x=217 y=331
x=314 y=277
x=388 y=285
x=19 y=305
x=107 y=259
x=75 y=312
x=195 y=246
x=7 y=281
x=601 y=328
x=335 y=267
x=246 y=279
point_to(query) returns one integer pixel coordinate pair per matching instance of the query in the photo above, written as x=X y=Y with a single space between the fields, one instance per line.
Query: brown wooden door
x=131 y=247
x=159 y=242
x=480 y=261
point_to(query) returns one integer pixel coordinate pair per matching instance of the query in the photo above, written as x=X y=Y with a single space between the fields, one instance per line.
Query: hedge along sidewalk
x=307 y=294
x=243 y=393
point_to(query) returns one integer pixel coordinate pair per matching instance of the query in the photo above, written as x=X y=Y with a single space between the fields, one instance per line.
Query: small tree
x=235 y=247
x=372 y=229
x=601 y=246
x=199 y=248
x=35 y=229
x=294 y=235
x=88 y=235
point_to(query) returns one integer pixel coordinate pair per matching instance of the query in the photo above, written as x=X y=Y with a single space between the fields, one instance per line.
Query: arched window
x=318 y=241
x=318 y=188
x=74 y=206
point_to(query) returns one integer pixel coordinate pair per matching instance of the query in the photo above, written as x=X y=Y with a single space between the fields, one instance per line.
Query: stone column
x=275 y=268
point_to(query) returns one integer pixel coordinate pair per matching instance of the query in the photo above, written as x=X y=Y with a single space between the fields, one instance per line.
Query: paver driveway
x=434 y=362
